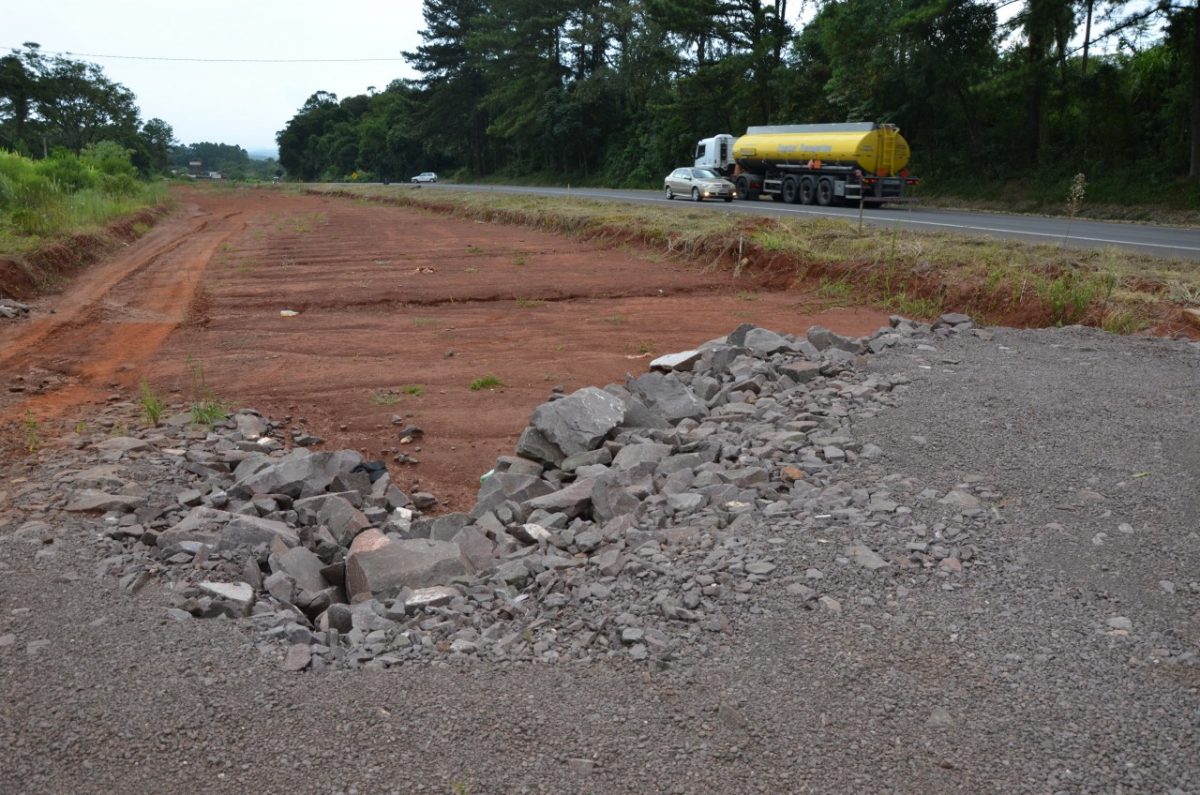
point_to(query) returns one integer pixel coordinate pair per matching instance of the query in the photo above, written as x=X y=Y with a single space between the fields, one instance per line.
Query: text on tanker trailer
x=813 y=163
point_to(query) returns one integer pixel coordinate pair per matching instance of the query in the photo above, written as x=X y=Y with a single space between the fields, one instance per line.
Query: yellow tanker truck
x=820 y=164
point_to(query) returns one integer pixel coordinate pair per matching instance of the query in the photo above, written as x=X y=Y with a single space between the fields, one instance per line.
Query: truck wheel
x=743 y=188
x=825 y=192
x=808 y=189
x=695 y=194
x=670 y=193
x=791 y=190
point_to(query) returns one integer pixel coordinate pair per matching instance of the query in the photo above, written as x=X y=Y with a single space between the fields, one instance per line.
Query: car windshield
x=704 y=173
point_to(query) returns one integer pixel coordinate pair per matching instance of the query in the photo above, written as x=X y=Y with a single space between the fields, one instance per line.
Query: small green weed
x=385 y=397
x=424 y=321
x=519 y=260
x=80 y=428
x=614 y=320
x=529 y=303
x=837 y=290
x=914 y=306
x=416 y=390
x=31 y=426
x=152 y=405
x=1069 y=294
x=474 y=250
x=1123 y=320
x=745 y=295
x=205 y=408
x=486 y=382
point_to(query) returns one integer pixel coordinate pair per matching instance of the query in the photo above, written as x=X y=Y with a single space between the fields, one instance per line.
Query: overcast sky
x=234 y=103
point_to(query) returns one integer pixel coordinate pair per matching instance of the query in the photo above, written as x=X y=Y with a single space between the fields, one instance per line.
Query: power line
x=218 y=60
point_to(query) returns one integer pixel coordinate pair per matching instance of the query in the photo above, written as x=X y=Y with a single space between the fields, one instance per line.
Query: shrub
x=68 y=172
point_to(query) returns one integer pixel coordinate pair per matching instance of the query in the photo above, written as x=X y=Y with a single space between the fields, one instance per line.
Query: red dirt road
x=388 y=299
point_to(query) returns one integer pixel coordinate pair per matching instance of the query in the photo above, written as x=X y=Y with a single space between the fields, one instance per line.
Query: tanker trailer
x=813 y=163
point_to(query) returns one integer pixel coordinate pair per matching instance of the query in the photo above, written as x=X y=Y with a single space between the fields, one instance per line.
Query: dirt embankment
x=49 y=268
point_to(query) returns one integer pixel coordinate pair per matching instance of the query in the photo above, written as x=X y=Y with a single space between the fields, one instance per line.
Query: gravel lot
x=1069 y=661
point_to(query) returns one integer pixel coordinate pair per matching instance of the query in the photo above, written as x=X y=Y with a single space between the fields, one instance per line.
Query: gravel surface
x=1019 y=614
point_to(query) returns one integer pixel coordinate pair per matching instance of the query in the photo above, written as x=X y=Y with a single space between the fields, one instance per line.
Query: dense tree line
x=620 y=90
x=50 y=103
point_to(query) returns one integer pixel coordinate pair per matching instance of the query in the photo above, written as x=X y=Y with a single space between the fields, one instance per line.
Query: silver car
x=699 y=184
x=425 y=176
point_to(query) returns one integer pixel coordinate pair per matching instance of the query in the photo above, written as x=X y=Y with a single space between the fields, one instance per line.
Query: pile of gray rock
x=11 y=310
x=636 y=521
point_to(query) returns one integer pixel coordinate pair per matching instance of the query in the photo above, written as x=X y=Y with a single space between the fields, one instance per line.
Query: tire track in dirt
x=113 y=318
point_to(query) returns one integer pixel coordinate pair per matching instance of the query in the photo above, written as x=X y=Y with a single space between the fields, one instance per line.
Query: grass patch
x=529 y=303
x=152 y=405
x=914 y=307
x=614 y=320
x=837 y=291
x=519 y=260
x=416 y=390
x=1124 y=320
x=384 y=397
x=30 y=428
x=486 y=382
x=205 y=408
x=424 y=321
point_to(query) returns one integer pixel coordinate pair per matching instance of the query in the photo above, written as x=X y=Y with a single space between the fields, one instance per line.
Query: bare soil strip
x=392 y=302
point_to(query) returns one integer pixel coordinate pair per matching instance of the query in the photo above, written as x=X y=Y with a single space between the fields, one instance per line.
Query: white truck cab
x=715 y=153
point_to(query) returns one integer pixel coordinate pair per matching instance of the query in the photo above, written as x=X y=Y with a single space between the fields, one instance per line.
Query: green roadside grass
x=46 y=201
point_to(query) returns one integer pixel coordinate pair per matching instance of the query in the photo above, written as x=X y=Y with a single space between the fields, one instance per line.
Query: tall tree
x=452 y=67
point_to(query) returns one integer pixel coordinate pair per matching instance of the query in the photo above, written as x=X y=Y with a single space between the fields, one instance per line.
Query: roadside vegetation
x=917 y=274
x=45 y=200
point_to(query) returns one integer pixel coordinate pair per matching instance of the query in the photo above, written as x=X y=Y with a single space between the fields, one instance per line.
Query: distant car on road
x=699 y=184
x=425 y=176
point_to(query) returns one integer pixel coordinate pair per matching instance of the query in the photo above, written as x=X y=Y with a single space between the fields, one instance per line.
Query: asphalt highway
x=1152 y=240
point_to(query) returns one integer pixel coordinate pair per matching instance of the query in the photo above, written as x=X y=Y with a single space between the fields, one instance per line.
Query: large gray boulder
x=534 y=445
x=578 y=422
x=86 y=500
x=380 y=567
x=763 y=343
x=636 y=460
x=224 y=530
x=572 y=500
x=824 y=339
x=342 y=519
x=298 y=474
x=669 y=396
x=303 y=567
